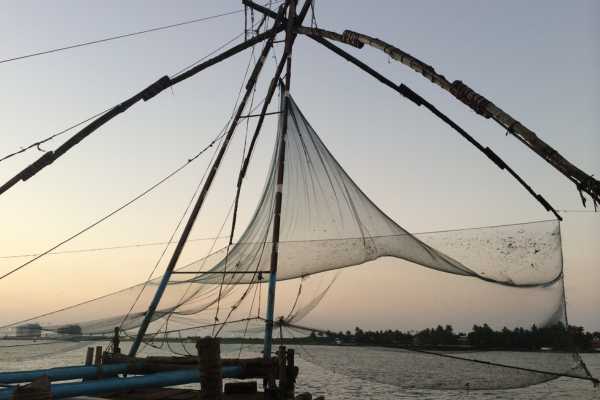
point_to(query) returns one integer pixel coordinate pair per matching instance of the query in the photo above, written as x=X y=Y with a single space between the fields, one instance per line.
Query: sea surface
x=336 y=386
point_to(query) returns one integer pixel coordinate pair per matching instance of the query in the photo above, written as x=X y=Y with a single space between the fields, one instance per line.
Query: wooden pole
x=279 y=186
x=209 y=359
x=419 y=101
x=292 y=22
x=146 y=94
x=98 y=356
x=89 y=356
x=116 y=341
x=207 y=184
x=263 y=112
x=282 y=370
x=292 y=372
x=478 y=103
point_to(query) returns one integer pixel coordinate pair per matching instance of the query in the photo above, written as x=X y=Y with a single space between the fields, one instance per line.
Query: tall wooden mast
x=293 y=21
x=584 y=182
x=194 y=214
x=279 y=186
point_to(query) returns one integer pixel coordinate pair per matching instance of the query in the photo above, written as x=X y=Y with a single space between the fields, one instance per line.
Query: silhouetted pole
x=478 y=103
x=146 y=94
x=190 y=223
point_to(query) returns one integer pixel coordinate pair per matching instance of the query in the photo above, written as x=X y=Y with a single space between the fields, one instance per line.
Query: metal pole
x=66 y=373
x=190 y=223
x=159 y=379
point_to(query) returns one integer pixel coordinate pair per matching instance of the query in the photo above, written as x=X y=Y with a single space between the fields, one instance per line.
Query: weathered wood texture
x=478 y=103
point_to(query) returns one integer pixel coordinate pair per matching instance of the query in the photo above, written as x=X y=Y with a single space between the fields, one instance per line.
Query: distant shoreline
x=258 y=341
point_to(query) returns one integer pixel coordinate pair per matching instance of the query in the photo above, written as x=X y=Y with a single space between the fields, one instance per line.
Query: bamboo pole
x=195 y=211
x=146 y=94
x=478 y=103
x=292 y=22
x=419 y=101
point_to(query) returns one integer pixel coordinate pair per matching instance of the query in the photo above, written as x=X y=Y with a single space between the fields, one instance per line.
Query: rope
x=223 y=130
x=179 y=222
x=579 y=211
x=126 y=246
x=233 y=39
x=180 y=302
x=235 y=204
x=145 y=244
x=122 y=36
x=115 y=211
x=208 y=325
x=410 y=348
x=296 y=299
x=256 y=289
x=40 y=142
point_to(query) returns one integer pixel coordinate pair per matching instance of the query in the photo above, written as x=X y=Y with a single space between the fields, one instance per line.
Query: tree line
x=556 y=337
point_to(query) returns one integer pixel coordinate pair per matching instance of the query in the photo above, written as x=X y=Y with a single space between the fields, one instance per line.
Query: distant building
x=29 y=330
x=69 y=330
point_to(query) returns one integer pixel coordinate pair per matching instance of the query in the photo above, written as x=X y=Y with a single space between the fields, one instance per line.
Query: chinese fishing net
x=510 y=277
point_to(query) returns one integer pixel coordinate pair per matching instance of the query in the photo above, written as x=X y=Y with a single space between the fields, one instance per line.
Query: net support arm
x=292 y=23
x=477 y=102
x=419 y=101
x=207 y=184
x=146 y=94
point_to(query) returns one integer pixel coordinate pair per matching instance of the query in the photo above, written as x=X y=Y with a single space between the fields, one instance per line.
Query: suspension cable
x=118 y=209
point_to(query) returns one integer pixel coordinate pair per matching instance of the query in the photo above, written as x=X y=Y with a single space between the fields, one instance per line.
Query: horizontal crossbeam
x=258 y=115
x=221 y=272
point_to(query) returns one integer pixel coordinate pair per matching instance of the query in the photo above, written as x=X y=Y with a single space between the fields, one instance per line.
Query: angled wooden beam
x=419 y=101
x=263 y=112
x=205 y=189
x=146 y=94
x=478 y=103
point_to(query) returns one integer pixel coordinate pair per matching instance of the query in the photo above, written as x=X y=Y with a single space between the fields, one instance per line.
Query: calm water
x=321 y=381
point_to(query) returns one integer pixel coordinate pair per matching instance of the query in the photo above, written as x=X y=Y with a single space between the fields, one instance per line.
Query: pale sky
x=537 y=60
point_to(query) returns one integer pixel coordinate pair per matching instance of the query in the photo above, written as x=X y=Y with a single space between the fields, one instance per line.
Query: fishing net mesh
x=514 y=272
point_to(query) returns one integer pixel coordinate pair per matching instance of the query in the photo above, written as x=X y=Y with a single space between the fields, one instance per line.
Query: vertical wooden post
x=282 y=370
x=292 y=372
x=279 y=187
x=98 y=357
x=209 y=360
x=89 y=356
x=116 y=341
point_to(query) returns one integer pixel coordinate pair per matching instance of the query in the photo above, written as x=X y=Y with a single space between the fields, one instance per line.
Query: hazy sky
x=538 y=60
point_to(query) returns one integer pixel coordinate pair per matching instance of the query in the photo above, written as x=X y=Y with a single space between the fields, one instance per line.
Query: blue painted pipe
x=63 y=373
x=159 y=379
